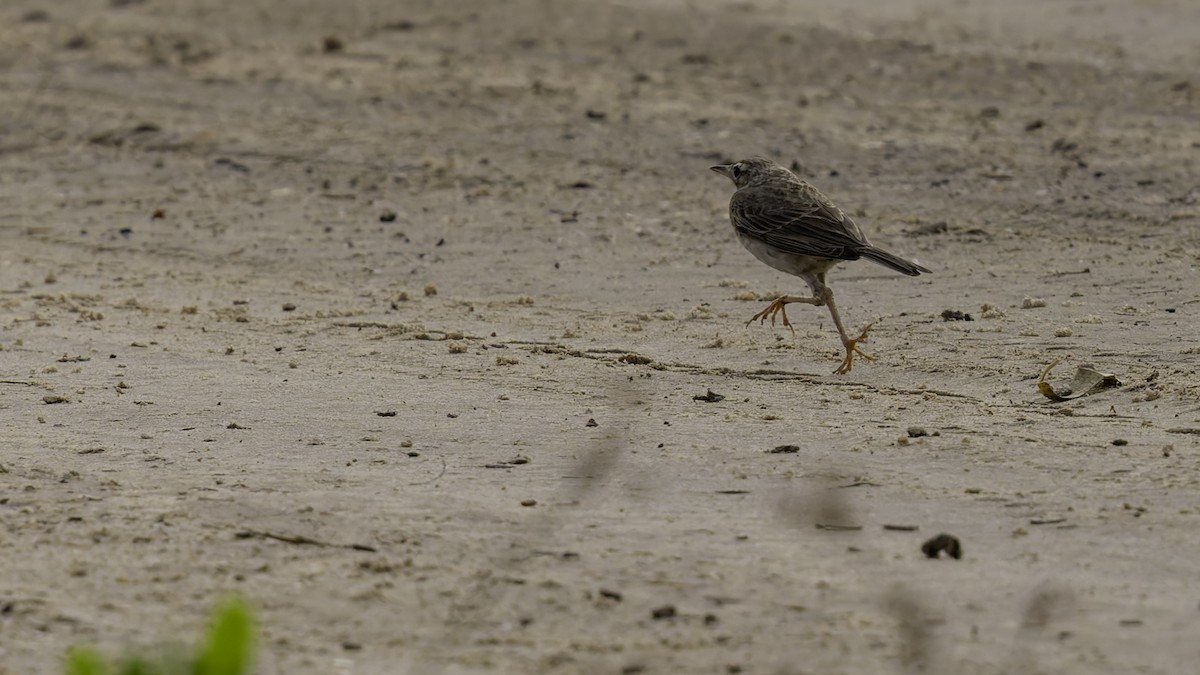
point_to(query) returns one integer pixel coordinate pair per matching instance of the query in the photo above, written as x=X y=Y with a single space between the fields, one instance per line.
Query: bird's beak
x=722 y=169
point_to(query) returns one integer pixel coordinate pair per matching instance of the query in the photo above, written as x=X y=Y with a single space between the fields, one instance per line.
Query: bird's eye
x=736 y=170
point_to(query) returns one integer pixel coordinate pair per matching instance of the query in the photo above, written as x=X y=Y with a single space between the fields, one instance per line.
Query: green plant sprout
x=227 y=649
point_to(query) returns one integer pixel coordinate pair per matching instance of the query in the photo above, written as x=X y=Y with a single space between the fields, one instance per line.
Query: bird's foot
x=852 y=349
x=777 y=307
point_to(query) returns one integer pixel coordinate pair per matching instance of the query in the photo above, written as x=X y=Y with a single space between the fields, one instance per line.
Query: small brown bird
x=789 y=225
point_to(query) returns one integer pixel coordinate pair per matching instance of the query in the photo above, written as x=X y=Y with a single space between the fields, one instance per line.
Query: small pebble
x=989 y=311
x=947 y=543
x=955 y=315
x=664 y=612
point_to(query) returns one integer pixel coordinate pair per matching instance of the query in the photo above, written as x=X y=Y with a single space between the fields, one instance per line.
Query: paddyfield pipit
x=789 y=225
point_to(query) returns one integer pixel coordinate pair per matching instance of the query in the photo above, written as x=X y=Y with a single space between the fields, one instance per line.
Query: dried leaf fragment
x=1087 y=380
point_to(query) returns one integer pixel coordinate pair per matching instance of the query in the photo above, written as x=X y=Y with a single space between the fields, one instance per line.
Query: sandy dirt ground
x=400 y=319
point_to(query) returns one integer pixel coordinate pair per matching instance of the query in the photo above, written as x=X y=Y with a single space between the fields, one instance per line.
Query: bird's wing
x=797 y=220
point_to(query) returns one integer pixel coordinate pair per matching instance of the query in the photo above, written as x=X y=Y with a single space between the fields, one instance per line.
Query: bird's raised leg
x=777 y=307
x=850 y=345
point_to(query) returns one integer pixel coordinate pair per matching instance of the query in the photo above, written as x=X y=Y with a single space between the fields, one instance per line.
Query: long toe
x=851 y=350
x=769 y=312
x=847 y=363
x=783 y=311
x=761 y=316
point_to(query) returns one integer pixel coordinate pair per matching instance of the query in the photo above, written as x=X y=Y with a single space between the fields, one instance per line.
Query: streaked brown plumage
x=788 y=224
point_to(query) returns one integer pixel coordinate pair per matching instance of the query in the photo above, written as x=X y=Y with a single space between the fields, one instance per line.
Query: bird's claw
x=776 y=307
x=852 y=349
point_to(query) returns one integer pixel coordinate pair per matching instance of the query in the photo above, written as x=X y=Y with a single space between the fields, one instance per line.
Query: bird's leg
x=778 y=307
x=850 y=345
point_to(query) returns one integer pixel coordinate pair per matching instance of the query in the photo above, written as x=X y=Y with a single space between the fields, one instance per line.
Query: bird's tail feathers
x=895 y=262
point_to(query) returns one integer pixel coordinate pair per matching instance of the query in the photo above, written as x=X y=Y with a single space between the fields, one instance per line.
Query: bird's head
x=751 y=171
